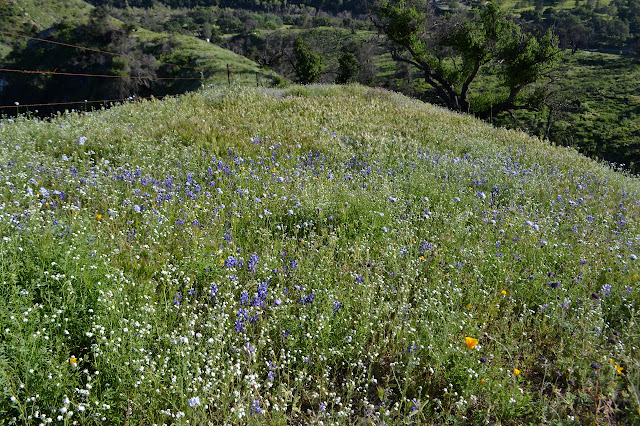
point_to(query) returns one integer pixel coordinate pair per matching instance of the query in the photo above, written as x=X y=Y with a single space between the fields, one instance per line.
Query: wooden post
x=229 y=74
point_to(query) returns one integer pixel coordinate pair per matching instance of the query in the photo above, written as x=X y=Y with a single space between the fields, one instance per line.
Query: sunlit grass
x=323 y=253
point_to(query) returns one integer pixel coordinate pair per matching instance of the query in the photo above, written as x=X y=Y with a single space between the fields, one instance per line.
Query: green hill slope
x=181 y=63
x=44 y=13
x=30 y=16
x=328 y=254
x=209 y=59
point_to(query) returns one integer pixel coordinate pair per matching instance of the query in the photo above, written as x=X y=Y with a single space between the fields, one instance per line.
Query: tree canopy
x=308 y=65
x=451 y=50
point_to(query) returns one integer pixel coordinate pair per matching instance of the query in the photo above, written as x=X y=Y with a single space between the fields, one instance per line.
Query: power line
x=86 y=48
x=83 y=102
x=95 y=75
x=87 y=75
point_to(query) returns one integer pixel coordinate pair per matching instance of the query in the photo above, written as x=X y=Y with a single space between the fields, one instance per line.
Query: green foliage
x=274 y=50
x=308 y=65
x=348 y=68
x=592 y=107
x=332 y=6
x=143 y=56
x=450 y=51
x=99 y=33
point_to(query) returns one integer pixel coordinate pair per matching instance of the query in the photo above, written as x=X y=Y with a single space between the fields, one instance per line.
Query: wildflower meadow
x=311 y=255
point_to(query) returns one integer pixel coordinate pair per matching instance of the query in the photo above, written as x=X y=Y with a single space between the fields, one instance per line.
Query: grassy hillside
x=29 y=16
x=45 y=13
x=328 y=254
x=210 y=61
x=198 y=62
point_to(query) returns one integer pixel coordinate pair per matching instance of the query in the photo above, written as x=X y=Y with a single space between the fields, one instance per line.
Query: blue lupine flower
x=308 y=299
x=416 y=405
x=255 y=407
x=177 y=299
x=253 y=263
x=249 y=348
x=272 y=374
x=213 y=291
x=231 y=262
x=605 y=290
x=262 y=291
x=239 y=325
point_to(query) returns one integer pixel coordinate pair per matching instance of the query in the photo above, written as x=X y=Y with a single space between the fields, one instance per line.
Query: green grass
x=208 y=58
x=269 y=256
x=4 y=50
x=44 y=13
x=24 y=15
x=516 y=6
x=598 y=112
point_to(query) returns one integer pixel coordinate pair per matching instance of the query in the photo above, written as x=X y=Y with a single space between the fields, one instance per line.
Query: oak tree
x=452 y=50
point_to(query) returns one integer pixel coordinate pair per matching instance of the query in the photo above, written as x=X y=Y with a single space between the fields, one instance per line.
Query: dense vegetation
x=594 y=106
x=451 y=53
x=332 y=6
x=97 y=33
x=137 y=63
x=317 y=254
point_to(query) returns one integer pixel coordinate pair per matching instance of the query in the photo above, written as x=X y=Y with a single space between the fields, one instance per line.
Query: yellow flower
x=504 y=292
x=468 y=305
x=73 y=360
x=471 y=342
x=516 y=371
x=98 y=216
x=618 y=368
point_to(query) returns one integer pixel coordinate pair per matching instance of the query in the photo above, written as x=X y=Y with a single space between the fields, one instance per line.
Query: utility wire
x=85 y=48
x=83 y=102
x=95 y=75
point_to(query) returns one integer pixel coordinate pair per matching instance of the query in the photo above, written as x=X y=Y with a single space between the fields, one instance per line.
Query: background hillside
x=322 y=253
x=32 y=16
x=143 y=62
x=589 y=102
